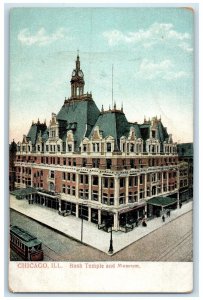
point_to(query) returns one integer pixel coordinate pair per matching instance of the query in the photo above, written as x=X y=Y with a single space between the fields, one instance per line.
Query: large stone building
x=95 y=164
x=185 y=153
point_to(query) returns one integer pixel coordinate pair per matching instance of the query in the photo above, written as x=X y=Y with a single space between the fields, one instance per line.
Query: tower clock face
x=80 y=73
x=74 y=73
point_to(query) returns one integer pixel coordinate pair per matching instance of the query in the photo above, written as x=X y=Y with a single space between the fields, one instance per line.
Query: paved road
x=171 y=242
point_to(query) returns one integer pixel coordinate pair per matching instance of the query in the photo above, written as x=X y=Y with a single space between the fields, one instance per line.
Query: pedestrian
x=136 y=223
x=169 y=213
x=144 y=224
x=180 y=205
x=163 y=218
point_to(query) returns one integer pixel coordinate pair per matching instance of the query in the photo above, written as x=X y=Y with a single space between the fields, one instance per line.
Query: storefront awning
x=24 y=192
x=162 y=201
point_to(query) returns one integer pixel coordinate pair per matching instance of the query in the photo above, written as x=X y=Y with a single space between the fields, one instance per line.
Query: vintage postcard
x=101 y=149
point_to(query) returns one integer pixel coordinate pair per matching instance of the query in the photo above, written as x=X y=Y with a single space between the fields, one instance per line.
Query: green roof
x=24 y=192
x=185 y=149
x=80 y=116
x=34 y=131
x=113 y=123
x=162 y=201
x=28 y=239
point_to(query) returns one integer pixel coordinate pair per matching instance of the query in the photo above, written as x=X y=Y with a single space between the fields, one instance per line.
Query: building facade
x=95 y=164
x=185 y=153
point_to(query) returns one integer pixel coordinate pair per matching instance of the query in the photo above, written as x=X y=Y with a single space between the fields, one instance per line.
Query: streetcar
x=25 y=244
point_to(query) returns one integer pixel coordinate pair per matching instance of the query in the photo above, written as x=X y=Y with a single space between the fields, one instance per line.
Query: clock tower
x=77 y=81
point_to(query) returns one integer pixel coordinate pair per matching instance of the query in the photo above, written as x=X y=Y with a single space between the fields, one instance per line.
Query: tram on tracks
x=25 y=244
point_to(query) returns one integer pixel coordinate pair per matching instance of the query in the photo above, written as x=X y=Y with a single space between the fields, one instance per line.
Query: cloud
x=41 y=37
x=156 y=33
x=164 y=69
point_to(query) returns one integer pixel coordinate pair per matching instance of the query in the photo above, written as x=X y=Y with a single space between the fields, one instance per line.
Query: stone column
x=167 y=179
x=145 y=210
x=127 y=188
x=145 y=185
x=162 y=182
x=116 y=222
x=100 y=188
x=99 y=216
x=116 y=194
x=77 y=211
x=77 y=186
x=59 y=203
x=178 y=199
x=89 y=214
x=90 y=187
x=138 y=187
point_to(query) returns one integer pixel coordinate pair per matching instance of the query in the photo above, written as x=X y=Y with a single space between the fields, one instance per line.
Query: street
x=171 y=242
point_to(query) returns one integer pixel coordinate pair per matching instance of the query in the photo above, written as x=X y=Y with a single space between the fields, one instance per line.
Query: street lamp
x=111 y=243
x=111 y=238
x=82 y=219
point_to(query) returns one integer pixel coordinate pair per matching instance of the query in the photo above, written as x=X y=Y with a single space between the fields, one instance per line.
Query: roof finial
x=78 y=61
x=122 y=106
x=109 y=107
x=102 y=109
x=114 y=105
x=112 y=86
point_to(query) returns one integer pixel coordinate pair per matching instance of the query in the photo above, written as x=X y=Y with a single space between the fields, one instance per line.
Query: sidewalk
x=71 y=226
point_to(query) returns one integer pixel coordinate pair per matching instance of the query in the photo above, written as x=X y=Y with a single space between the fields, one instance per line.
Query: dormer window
x=95 y=147
x=84 y=148
x=153 y=134
x=132 y=147
x=108 y=147
x=69 y=148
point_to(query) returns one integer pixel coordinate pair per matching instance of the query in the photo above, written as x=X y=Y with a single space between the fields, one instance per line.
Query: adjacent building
x=95 y=164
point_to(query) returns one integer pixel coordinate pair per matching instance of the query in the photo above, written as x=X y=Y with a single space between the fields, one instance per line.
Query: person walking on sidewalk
x=163 y=218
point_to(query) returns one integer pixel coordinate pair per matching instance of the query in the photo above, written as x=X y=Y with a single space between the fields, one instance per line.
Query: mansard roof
x=112 y=123
x=34 y=131
x=80 y=116
x=185 y=149
x=162 y=134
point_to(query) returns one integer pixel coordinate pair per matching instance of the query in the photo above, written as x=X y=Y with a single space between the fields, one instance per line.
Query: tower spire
x=78 y=61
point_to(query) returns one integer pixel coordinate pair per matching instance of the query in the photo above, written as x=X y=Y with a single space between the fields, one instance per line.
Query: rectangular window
x=95 y=180
x=108 y=163
x=105 y=182
x=68 y=190
x=108 y=147
x=122 y=182
x=64 y=189
x=73 y=191
x=73 y=177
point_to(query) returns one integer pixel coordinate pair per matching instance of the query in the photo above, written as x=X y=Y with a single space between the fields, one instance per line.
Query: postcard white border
x=4 y=136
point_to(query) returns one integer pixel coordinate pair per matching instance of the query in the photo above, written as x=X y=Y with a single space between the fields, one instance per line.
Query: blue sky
x=151 y=50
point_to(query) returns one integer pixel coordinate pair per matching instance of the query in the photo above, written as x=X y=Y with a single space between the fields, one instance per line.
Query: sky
x=151 y=50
